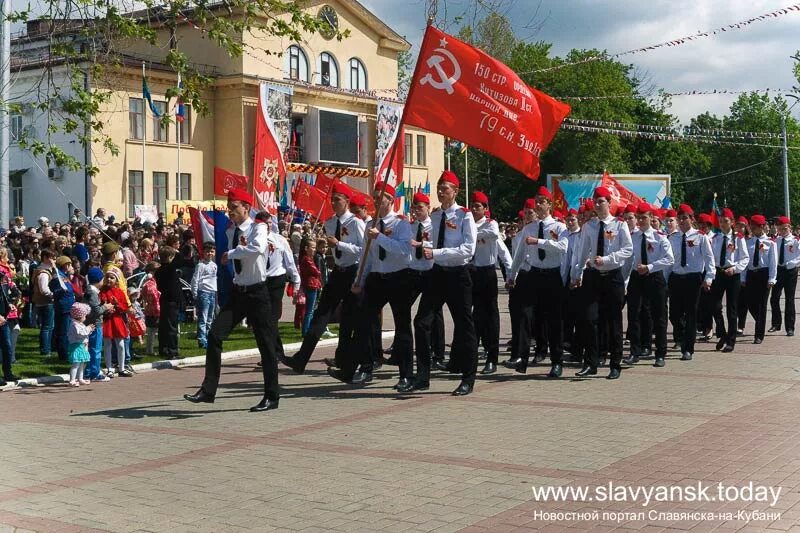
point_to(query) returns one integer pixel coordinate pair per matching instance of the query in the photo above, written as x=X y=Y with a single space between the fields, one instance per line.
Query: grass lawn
x=31 y=365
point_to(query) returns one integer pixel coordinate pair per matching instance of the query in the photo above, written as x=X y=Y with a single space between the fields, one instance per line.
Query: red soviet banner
x=463 y=93
x=312 y=200
x=225 y=180
x=620 y=195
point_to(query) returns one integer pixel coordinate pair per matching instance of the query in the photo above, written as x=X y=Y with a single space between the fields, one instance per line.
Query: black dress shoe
x=337 y=374
x=646 y=352
x=539 y=357
x=3 y=382
x=264 y=405
x=405 y=385
x=720 y=344
x=200 y=396
x=659 y=362
x=512 y=363
x=421 y=385
x=445 y=367
x=740 y=331
x=686 y=356
x=377 y=365
x=676 y=346
x=757 y=340
x=11 y=377
x=790 y=333
x=463 y=389
x=291 y=363
x=361 y=378
x=773 y=329
x=330 y=363
x=727 y=349
x=613 y=374
x=631 y=360
x=392 y=361
x=586 y=371
x=489 y=368
x=521 y=367
x=555 y=371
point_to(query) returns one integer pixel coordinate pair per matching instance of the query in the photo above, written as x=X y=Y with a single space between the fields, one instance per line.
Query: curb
x=197 y=360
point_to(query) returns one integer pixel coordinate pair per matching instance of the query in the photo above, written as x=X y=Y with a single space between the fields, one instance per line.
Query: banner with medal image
x=389 y=131
x=273 y=119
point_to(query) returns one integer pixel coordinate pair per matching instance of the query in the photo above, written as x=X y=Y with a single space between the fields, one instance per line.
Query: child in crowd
x=204 y=292
x=168 y=279
x=310 y=279
x=136 y=324
x=94 y=278
x=115 y=331
x=78 y=343
x=321 y=260
x=152 y=309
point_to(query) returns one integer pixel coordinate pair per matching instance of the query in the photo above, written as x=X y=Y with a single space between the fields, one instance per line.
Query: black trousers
x=684 y=293
x=255 y=305
x=603 y=299
x=647 y=293
x=514 y=308
x=786 y=283
x=451 y=286
x=757 y=292
x=571 y=311
x=705 y=311
x=336 y=291
x=741 y=308
x=380 y=289
x=168 y=329
x=541 y=293
x=729 y=286
x=276 y=285
x=420 y=281
x=485 y=312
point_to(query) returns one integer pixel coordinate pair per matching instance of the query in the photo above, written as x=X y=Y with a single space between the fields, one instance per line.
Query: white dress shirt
x=617 y=246
x=487 y=236
x=736 y=254
x=395 y=239
x=252 y=254
x=573 y=238
x=204 y=278
x=424 y=237
x=791 y=251
x=352 y=241
x=659 y=251
x=504 y=255
x=554 y=242
x=767 y=257
x=699 y=258
x=460 y=236
x=281 y=260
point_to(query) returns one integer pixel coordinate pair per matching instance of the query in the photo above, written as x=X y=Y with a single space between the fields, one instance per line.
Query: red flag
x=324 y=182
x=620 y=196
x=312 y=200
x=269 y=169
x=559 y=200
x=225 y=180
x=461 y=92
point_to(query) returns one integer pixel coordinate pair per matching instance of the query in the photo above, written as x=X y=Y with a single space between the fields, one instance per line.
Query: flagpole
x=448 y=156
x=466 y=174
x=179 y=124
x=144 y=130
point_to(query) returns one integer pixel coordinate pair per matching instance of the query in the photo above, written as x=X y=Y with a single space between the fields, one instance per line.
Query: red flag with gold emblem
x=312 y=200
x=461 y=92
x=269 y=168
x=620 y=195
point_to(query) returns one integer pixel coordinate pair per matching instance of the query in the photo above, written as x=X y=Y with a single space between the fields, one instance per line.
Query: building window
x=328 y=70
x=160 y=191
x=421 y=160
x=183 y=187
x=185 y=126
x=408 y=149
x=159 y=128
x=296 y=64
x=15 y=193
x=358 y=75
x=136 y=118
x=16 y=128
x=135 y=190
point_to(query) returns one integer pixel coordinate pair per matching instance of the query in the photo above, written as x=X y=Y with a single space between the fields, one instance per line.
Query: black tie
x=338 y=235
x=269 y=256
x=237 y=263
x=541 y=237
x=644 y=249
x=440 y=238
x=418 y=251
x=755 y=252
x=780 y=254
x=724 y=252
x=600 y=236
x=683 y=250
x=381 y=250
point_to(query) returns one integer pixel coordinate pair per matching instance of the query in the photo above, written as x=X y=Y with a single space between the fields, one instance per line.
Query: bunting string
x=707 y=92
x=684 y=131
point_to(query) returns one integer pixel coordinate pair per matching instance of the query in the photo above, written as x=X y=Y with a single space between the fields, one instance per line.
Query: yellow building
x=348 y=76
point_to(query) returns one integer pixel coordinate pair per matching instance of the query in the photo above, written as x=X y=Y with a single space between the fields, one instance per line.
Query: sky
x=755 y=57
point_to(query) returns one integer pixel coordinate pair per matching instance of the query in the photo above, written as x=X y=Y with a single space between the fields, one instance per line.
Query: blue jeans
x=205 y=304
x=311 y=303
x=5 y=349
x=46 y=316
x=95 y=354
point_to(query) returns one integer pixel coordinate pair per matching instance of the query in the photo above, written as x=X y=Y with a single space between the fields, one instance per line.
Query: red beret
x=341 y=188
x=358 y=200
x=670 y=213
x=478 y=196
x=581 y=209
x=521 y=214
x=387 y=189
x=571 y=212
x=685 y=209
x=727 y=212
x=240 y=195
x=742 y=220
x=659 y=213
x=782 y=220
x=643 y=208
x=544 y=192
x=530 y=203
x=589 y=205
x=618 y=211
x=704 y=217
x=558 y=215
x=487 y=213
x=602 y=192
x=758 y=220
x=631 y=208
x=421 y=198
x=450 y=177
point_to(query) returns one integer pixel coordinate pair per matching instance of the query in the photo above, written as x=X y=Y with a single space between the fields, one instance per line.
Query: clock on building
x=328 y=15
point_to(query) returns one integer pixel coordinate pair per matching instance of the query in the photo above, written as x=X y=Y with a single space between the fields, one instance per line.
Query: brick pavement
x=130 y=455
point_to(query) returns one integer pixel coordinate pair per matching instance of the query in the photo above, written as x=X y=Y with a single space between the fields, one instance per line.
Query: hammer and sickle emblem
x=444 y=81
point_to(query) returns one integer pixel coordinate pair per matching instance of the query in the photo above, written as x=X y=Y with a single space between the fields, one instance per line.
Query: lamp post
x=786 y=202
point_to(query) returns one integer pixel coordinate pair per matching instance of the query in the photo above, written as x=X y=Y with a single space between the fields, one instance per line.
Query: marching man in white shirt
x=536 y=272
x=730 y=252
x=604 y=246
x=249 y=298
x=788 y=260
x=760 y=275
